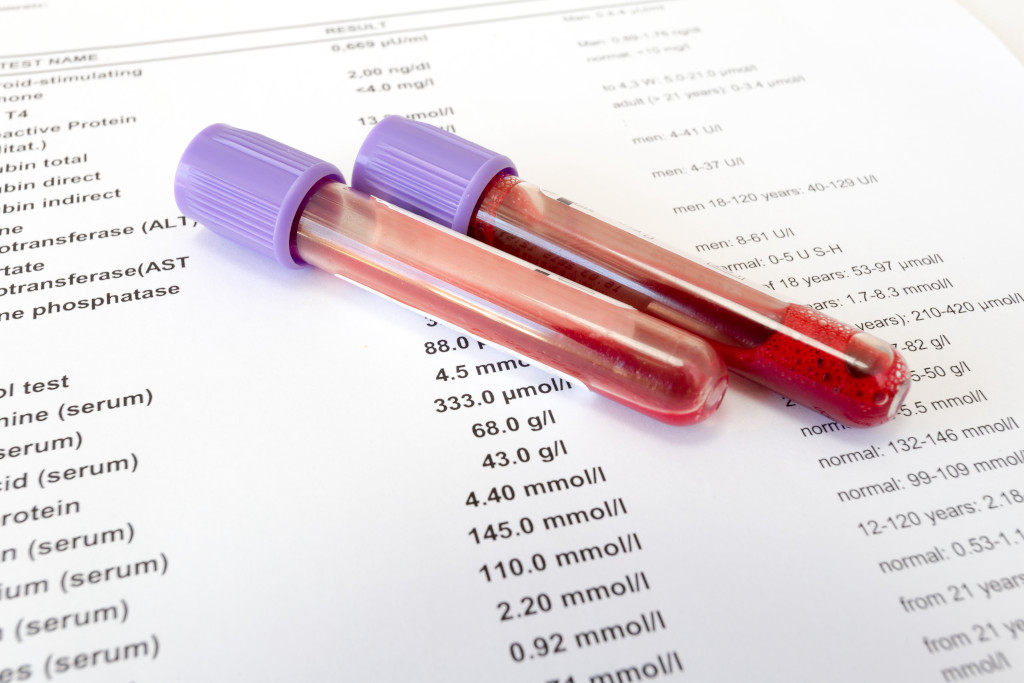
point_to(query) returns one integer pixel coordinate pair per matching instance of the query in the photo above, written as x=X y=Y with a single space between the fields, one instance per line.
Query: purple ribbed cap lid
x=248 y=187
x=426 y=170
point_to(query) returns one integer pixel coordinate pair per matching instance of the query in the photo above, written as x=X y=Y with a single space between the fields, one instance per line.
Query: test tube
x=297 y=210
x=834 y=368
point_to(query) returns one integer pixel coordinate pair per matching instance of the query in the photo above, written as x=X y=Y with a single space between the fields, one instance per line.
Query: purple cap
x=426 y=170
x=248 y=187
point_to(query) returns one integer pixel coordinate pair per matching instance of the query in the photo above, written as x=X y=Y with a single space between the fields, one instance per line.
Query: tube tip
x=247 y=187
x=426 y=170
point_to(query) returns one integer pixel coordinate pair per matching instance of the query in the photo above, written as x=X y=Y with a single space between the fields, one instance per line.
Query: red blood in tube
x=812 y=359
x=824 y=381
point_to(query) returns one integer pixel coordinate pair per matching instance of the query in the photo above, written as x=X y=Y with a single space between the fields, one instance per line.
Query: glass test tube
x=296 y=209
x=834 y=368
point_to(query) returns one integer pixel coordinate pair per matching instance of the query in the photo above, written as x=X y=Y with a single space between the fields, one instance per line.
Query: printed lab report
x=213 y=468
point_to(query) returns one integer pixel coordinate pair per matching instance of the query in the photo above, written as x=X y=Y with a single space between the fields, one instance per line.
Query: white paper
x=237 y=471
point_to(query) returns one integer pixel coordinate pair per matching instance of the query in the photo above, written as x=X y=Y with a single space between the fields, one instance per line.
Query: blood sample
x=819 y=362
x=296 y=209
